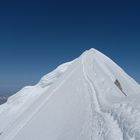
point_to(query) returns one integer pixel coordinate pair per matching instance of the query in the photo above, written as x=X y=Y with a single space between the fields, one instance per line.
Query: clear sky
x=37 y=36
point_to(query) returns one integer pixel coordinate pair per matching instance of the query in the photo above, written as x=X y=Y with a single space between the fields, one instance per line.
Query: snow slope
x=90 y=98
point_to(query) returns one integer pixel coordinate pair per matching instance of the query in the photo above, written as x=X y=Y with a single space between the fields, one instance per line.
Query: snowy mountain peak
x=89 y=98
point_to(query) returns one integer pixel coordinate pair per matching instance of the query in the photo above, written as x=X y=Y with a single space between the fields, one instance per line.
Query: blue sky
x=37 y=36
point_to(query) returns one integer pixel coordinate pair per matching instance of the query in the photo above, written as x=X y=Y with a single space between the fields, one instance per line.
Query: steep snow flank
x=129 y=85
x=79 y=100
x=112 y=130
x=21 y=101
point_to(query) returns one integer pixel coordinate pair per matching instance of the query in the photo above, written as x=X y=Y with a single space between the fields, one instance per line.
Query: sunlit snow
x=90 y=98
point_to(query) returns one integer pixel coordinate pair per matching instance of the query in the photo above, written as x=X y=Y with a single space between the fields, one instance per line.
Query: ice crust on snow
x=79 y=100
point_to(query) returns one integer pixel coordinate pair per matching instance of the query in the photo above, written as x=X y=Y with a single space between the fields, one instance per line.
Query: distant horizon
x=37 y=36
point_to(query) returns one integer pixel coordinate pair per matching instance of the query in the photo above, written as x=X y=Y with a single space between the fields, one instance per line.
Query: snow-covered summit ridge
x=97 y=56
x=95 y=59
x=111 y=70
x=89 y=98
x=99 y=62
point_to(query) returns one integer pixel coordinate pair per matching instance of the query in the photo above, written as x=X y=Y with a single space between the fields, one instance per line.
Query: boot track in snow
x=113 y=132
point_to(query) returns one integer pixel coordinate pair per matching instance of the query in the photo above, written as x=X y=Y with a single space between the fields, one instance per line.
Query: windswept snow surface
x=90 y=98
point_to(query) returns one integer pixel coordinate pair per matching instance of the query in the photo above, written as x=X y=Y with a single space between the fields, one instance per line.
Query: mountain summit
x=89 y=98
